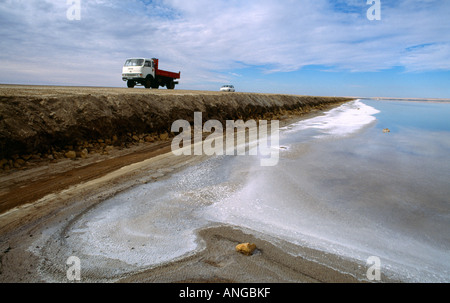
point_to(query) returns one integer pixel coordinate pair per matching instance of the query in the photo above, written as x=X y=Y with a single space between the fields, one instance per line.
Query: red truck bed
x=163 y=73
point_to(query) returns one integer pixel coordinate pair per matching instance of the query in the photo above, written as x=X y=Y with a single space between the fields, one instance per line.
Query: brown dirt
x=27 y=192
x=44 y=119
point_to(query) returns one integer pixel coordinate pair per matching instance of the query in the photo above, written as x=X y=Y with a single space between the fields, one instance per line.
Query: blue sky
x=308 y=47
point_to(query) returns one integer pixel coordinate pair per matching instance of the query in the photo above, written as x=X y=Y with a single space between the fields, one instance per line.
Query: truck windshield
x=134 y=62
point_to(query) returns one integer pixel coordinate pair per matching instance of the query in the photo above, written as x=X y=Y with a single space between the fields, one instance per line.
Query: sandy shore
x=274 y=261
x=33 y=234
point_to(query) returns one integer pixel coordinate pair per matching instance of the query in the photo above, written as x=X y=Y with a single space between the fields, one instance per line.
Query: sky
x=306 y=47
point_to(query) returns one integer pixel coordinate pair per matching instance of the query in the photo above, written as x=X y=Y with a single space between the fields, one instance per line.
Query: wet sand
x=274 y=261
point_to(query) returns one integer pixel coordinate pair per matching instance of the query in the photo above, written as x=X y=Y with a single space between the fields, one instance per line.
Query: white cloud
x=206 y=39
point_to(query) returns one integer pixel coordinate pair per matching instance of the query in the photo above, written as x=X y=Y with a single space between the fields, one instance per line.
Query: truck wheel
x=131 y=84
x=148 y=83
x=170 y=85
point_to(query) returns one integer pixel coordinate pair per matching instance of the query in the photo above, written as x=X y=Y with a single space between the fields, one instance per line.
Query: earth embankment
x=52 y=120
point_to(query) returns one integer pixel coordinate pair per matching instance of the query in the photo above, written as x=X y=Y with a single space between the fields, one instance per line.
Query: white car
x=227 y=88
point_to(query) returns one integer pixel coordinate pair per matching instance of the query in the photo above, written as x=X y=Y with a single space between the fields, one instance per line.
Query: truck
x=146 y=72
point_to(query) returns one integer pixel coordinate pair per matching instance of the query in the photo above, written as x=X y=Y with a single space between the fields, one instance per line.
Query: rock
x=164 y=136
x=58 y=155
x=114 y=138
x=149 y=139
x=70 y=154
x=83 y=153
x=246 y=248
x=20 y=161
x=135 y=138
x=3 y=162
x=26 y=157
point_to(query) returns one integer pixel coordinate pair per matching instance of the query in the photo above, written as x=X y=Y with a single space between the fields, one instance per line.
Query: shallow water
x=344 y=186
x=341 y=186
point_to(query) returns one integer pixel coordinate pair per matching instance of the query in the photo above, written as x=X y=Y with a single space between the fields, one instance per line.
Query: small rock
x=149 y=139
x=58 y=155
x=164 y=136
x=246 y=248
x=20 y=161
x=26 y=157
x=71 y=154
x=3 y=162
x=135 y=138
x=84 y=153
